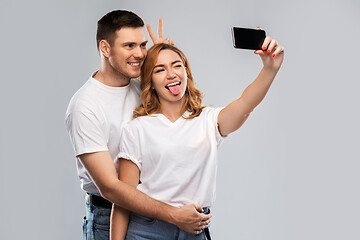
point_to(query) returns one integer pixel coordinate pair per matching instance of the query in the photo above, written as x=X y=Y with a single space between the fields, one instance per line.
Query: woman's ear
x=104 y=48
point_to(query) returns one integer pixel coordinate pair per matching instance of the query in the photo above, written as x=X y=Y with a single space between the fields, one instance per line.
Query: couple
x=170 y=146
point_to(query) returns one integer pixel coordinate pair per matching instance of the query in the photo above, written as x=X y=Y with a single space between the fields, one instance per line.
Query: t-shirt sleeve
x=130 y=147
x=86 y=132
x=213 y=114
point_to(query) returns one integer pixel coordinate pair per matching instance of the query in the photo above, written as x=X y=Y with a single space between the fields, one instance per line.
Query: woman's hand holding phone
x=272 y=54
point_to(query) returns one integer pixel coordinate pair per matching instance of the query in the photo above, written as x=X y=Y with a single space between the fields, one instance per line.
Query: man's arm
x=102 y=170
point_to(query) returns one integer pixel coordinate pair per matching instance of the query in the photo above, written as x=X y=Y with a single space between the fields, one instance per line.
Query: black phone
x=247 y=38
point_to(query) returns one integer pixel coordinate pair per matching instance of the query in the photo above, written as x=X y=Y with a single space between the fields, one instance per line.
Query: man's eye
x=130 y=45
x=143 y=45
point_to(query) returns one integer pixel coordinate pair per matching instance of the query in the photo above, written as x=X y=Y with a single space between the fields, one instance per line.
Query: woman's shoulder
x=210 y=110
x=138 y=121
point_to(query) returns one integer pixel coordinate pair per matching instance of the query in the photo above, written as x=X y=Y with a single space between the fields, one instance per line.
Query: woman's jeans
x=143 y=228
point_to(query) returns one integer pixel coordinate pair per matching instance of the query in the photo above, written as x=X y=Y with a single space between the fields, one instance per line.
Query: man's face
x=128 y=51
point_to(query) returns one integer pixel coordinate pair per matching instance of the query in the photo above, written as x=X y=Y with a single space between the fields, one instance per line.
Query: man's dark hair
x=113 y=21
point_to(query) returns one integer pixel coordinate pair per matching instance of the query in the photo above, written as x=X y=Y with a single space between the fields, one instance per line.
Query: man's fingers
x=205 y=217
x=205 y=221
x=196 y=221
x=159 y=38
x=160 y=28
x=169 y=41
x=201 y=226
x=199 y=208
x=151 y=33
x=198 y=229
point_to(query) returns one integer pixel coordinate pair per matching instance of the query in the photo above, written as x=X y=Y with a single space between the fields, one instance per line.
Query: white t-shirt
x=95 y=118
x=178 y=161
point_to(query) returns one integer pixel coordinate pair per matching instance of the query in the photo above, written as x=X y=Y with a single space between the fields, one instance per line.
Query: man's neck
x=110 y=77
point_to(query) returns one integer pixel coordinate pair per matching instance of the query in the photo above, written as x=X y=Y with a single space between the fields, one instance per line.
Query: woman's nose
x=171 y=75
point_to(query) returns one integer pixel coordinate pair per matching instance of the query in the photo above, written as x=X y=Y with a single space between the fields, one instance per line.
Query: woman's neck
x=172 y=110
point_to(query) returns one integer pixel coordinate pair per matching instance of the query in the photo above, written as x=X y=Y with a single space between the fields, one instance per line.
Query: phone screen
x=246 y=38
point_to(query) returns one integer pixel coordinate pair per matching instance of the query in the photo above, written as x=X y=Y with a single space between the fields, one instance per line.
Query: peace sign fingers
x=160 y=38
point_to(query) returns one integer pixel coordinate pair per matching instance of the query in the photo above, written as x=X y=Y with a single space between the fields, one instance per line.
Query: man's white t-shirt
x=95 y=118
x=177 y=160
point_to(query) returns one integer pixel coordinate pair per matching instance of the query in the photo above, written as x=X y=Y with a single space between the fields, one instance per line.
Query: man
x=95 y=117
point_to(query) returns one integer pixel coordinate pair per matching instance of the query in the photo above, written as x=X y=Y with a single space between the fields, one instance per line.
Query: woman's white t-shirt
x=177 y=160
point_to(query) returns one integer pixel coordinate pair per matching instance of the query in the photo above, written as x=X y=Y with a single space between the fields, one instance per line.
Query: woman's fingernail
x=268 y=51
x=263 y=48
x=273 y=55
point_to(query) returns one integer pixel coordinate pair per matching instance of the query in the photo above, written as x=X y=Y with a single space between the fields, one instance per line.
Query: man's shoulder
x=83 y=98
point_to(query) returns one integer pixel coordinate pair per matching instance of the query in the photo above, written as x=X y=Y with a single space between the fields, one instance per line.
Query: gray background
x=291 y=172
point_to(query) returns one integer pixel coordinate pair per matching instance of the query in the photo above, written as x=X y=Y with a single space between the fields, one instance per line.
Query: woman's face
x=169 y=78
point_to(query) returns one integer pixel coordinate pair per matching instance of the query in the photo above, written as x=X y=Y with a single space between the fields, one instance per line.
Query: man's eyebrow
x=129 y=42
x=162 y=65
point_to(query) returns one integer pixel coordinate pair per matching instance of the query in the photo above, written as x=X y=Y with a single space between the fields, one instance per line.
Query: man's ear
x=104 y=48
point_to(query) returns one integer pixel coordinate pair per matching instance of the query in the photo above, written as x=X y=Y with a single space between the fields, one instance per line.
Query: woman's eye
x=159 y=70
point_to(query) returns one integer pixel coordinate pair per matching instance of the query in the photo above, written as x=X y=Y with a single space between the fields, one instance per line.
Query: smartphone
x=246 y=38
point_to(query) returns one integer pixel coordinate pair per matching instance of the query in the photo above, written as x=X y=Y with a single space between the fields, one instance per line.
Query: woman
x=171 y=145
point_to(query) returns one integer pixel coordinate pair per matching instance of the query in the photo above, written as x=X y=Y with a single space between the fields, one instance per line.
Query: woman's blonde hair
x=150 y=103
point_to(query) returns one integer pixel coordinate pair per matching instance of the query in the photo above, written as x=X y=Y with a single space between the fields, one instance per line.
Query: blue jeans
x=96 y=224
x=143 y=228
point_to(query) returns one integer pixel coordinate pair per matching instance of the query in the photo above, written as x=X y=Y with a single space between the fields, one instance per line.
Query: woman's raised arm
x=233 y=116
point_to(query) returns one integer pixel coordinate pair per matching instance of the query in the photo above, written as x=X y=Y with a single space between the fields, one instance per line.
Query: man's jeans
x=96 y=224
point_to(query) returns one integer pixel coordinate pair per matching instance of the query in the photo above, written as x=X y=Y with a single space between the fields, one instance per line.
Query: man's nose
x=139 y=52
